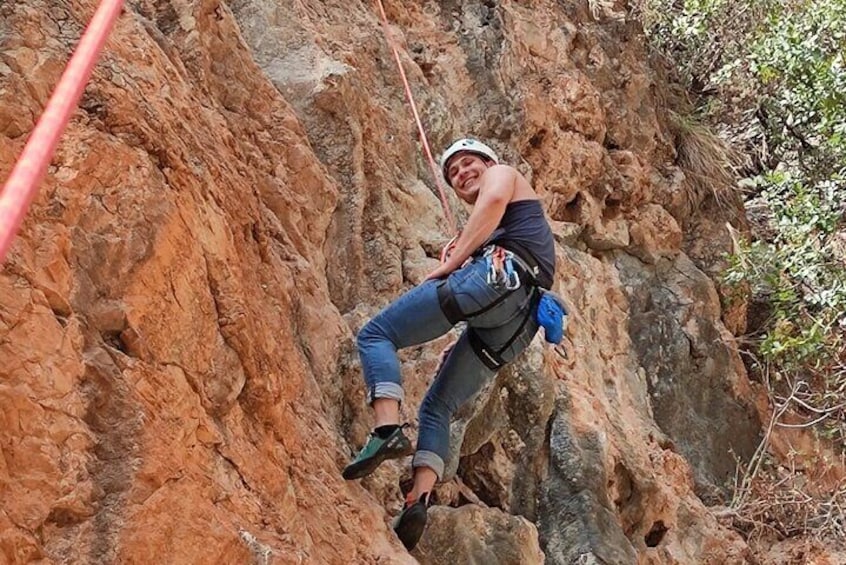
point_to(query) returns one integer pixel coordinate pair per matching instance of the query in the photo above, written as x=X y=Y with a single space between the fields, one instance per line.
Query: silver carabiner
x=512 y=279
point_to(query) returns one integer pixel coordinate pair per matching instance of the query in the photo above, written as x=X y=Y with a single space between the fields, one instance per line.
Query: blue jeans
x=416 y=317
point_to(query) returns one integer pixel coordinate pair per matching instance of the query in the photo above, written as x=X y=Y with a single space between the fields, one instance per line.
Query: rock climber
x=489 y=279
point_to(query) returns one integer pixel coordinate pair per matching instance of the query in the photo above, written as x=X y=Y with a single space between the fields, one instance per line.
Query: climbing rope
x=435 y=171
x=21 y=186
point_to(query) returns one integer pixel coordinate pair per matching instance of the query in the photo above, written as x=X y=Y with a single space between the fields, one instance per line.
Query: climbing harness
x=508 y=268
x=508 y=265
x=423 y=139
x=22 y=184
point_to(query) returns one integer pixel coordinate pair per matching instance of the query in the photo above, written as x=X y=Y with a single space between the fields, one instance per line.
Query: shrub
x=773 y=74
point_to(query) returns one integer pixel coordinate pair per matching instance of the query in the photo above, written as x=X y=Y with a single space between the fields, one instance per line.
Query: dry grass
x=780 y=503
x=776 y=500
x=600 y=9
x=707 y=161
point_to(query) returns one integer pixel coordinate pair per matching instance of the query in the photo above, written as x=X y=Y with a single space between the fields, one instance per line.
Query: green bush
x=799 y=64
x=773 y=74
x=801 y=271
x=781 y=63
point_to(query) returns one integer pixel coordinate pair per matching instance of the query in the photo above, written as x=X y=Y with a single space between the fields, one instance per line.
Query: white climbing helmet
x=469 y=145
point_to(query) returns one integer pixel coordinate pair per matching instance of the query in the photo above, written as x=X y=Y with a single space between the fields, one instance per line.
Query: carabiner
x=512 y=279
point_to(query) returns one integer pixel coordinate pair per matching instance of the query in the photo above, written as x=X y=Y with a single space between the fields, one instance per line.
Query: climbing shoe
x=375 y=451
x=411 y=522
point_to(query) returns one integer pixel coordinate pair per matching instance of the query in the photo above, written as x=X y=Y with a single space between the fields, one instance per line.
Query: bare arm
x=495 y=192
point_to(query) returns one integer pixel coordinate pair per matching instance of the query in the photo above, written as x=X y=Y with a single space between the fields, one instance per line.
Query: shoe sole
x=411 y=526
x=364 y=468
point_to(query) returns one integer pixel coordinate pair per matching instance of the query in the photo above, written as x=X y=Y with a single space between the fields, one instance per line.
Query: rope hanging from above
x=435 y=170
x=22 y=184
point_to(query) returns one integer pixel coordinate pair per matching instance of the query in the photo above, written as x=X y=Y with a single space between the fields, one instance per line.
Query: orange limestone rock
x=242 y=188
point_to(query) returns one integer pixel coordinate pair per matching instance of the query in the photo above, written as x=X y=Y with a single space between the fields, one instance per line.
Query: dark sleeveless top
x=524 y=223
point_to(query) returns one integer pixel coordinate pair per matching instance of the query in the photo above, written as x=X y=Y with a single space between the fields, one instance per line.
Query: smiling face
x=464 y=173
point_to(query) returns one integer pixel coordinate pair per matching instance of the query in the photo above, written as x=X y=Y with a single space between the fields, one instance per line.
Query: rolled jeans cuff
x=385 y=390
x=429 y=459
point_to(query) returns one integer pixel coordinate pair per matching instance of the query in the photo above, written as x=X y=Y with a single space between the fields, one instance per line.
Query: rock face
x=242 y=187
x=478 y=536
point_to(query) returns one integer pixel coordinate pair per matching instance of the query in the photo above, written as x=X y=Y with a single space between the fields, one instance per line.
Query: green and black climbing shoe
x=411 y=522
x=376 y=450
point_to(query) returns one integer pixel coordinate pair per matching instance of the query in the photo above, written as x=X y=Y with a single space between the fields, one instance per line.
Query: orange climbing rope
x=435 y=171
x=22 y=184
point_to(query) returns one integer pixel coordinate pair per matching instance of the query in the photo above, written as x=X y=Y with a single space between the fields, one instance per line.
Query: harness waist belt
x=529 y=272
x=526 y=261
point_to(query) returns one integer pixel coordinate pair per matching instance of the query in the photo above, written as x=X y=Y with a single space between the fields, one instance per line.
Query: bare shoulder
x=522 y=189
x=510 y=182
x=504 y=172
